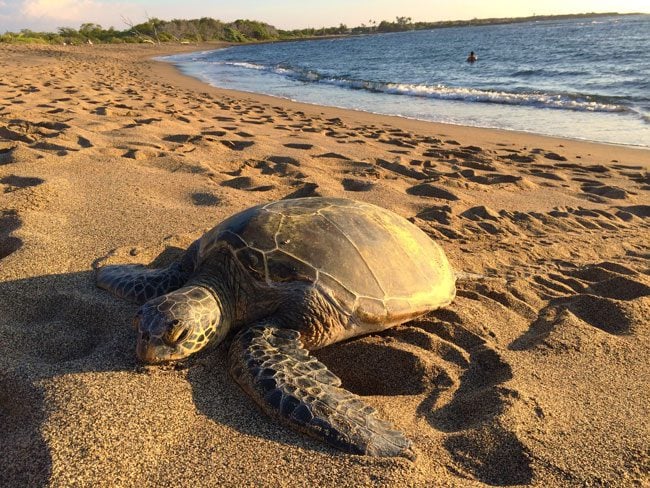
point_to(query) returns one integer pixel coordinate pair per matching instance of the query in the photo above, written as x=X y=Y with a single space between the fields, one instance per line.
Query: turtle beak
x=145 y=353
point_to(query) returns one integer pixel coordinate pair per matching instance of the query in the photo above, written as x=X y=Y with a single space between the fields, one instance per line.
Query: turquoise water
x=583 y=79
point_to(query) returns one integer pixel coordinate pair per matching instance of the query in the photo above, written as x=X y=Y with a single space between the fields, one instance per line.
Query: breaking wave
x=564 y=101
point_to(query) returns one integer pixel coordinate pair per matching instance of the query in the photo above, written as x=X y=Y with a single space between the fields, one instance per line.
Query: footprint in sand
x=14 y=135
x=246 y=183
x=237 y=145
x=139 y=154
x=182 y=138
x=307 y=190
x=211 y=134
x=606 y=191
x=58 y=149
x=606 y=296
x=284 y=160
x=7 y=155
x=439 y=213
x=9 y=244
x=402 y=169
x=148 y=121
x=279 y=167
x=14 y=182
x=481 y=220
x=399 y=143
x=102 y=111
x=520 y=158
x=478 y=165
x=632 y=211
x=254 y=121
x=301 y=146
x=84 y=143
x=333 y=155
x=205 y=199
x=547 y=175
x=554 y=156
x=555 y=222
x=496 y=179
x=171 y=164
x=431 y=191
x=350 y=184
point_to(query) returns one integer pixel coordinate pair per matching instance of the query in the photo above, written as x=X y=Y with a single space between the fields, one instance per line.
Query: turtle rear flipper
x=271 y=365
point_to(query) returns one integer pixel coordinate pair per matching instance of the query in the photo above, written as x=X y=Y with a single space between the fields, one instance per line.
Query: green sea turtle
x=292 y=276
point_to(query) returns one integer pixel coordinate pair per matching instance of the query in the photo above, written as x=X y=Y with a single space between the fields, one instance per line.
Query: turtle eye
x=183 y=335
x=137 y=319
x=176 y=333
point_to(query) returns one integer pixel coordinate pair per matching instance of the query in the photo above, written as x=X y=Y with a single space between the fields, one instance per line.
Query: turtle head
x=178 y=324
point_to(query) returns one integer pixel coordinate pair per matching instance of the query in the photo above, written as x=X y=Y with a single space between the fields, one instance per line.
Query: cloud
x=62 y=10
x=59 y=9
x=74 y=12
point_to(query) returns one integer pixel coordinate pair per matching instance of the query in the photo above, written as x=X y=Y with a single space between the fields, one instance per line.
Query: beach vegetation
x=251 y=29
x=401 y=24
x=206 y=29
x=26 y=36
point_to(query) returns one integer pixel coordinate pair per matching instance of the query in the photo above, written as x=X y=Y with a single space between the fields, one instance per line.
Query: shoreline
x=172 y=72
x=404 y=117
x=535 y=375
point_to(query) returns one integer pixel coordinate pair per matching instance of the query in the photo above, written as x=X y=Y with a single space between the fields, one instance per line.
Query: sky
x=286 y=14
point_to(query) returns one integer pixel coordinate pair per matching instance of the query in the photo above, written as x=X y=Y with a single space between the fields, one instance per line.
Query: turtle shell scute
x=253 y=261
x=284 y=267
x=372 y=310
x=372 y=263
x=343 y=297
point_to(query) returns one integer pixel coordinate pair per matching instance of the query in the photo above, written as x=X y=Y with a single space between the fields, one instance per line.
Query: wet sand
x=537 y=374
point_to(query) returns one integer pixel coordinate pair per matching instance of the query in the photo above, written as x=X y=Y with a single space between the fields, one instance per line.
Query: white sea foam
x=442 y=92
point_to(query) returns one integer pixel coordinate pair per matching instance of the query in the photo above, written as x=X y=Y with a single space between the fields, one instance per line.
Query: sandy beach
x=536 y=375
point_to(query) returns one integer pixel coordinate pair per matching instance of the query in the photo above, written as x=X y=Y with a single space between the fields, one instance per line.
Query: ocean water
x=581 y=79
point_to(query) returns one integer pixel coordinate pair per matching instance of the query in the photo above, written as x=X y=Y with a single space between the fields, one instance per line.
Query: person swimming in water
x=472 y=58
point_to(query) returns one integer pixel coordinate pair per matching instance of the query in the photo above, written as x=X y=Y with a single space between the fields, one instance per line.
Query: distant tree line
x=153 y=31
x=207 y=29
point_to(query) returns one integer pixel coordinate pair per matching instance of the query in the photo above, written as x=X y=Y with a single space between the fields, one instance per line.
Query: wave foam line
x=441 y=92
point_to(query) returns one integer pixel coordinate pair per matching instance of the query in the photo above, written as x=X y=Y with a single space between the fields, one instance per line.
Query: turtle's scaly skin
x=193 y=304
x=289 y=385
x=293 y=275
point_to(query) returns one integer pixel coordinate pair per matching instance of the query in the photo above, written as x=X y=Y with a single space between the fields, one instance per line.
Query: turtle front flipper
x=138 y=284
x=271 y=365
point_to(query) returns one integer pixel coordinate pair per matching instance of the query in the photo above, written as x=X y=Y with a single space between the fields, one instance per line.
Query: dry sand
x=538 y=373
